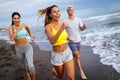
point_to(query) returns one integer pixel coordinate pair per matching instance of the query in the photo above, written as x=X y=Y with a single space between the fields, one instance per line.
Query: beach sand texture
x=10 y=68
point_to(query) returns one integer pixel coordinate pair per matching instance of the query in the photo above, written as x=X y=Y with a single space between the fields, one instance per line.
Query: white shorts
x=61 y=58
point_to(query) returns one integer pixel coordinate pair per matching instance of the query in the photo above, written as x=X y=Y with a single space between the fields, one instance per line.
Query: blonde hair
x=46 y=12
x=70 y=6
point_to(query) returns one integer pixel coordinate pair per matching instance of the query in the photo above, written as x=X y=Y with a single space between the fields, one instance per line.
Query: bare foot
x=28 y=79
x=54 y=73
x=83 y=76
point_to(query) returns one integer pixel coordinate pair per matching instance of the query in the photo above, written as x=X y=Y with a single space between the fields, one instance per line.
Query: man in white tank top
x=75 y=25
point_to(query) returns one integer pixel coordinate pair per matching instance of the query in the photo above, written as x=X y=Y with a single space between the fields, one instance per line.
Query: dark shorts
x=74 y=46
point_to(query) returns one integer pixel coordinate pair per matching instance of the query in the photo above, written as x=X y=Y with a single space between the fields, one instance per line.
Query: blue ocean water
x=102 y=34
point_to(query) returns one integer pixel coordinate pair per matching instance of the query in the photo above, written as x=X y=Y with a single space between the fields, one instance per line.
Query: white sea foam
x=105 y=40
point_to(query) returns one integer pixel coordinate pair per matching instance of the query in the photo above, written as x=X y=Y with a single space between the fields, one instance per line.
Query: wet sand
x=10 y=68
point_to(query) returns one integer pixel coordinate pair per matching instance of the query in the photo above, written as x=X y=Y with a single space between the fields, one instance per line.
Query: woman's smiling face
x=55 y=13
x=16 y=20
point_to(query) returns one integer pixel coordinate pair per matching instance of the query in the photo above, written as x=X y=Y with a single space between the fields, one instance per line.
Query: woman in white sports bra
x=24 y=51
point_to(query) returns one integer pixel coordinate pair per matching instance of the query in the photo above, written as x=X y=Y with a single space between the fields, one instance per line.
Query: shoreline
x=10 y=68
x=94 y=69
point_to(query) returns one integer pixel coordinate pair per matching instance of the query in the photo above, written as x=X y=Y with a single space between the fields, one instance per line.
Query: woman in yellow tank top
x=61 y=55
x=62 y=37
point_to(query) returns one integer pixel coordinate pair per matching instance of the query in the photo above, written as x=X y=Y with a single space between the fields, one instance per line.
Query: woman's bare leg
x=60 y=71
x=69 y=67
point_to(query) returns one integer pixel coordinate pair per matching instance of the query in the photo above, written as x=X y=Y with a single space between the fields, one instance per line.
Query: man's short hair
x=70 y=6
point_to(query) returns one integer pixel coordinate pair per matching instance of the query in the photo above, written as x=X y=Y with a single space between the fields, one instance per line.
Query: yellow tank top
x=62 y=39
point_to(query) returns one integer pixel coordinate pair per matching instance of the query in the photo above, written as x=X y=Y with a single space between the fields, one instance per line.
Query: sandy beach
x=10 y=68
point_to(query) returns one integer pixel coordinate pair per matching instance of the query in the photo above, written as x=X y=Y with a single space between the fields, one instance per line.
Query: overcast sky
x=28 y=9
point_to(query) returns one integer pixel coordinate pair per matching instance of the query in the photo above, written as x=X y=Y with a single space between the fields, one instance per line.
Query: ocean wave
x=104 y=37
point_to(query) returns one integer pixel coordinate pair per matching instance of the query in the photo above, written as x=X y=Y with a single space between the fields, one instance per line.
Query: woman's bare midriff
x=60 y=48
x=20 y=41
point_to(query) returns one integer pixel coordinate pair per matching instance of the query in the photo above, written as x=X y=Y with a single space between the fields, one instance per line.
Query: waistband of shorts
x=74 y=42
x=22 y=46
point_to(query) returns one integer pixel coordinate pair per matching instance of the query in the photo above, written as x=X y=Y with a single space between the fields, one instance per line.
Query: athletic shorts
x=61 y=58
x=74 y=46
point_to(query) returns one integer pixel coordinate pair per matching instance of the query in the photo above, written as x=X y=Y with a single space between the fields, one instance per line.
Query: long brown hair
x=46 y=12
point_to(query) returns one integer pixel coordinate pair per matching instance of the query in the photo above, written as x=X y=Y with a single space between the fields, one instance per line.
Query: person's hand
x=64 y=24
x=32 y=39
x=71 y=41
x=85 y=25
